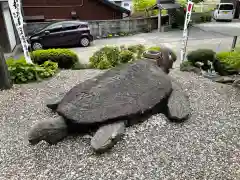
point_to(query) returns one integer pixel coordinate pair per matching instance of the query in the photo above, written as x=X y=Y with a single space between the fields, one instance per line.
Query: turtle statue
x=112 y=101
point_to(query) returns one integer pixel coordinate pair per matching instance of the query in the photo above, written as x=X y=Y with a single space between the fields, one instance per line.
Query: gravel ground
x=207 y=146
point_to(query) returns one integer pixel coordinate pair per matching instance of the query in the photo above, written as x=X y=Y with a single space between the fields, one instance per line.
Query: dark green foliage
x=22 y=72
x=79 y=66
x=201 y=55
x=185 y=64
x=206 y=17
x=65 y=58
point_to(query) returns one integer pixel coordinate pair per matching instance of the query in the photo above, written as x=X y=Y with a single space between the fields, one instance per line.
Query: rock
x=152 y=54
x=224 y=79
x=52 y=131
x=236 y=83
x=126 y=90
x=107 y=136
x=178 y=104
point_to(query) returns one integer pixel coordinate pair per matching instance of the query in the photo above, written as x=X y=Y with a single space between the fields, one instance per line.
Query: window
x=125 y=4
x=54 y=27
x=226 y=7
x=70 y=26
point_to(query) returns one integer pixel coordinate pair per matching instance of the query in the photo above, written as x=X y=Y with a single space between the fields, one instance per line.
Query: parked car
x=64 y=33
x=224 y=11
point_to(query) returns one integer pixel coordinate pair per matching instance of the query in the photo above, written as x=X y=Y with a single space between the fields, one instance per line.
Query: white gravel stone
x=207 y=146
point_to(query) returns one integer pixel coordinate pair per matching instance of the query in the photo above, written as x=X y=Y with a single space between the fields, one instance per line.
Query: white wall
x=127 y=4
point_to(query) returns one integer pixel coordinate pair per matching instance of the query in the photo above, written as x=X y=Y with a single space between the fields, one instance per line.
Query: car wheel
x=36 y=46
x=84 y=42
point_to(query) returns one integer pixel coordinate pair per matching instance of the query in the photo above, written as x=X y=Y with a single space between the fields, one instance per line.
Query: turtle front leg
x=107 y=136
x=178 y=106
x=52 y=131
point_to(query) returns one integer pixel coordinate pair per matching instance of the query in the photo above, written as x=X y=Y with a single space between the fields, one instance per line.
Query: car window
x=70 y=26
x=226 y=7
x=54 y=27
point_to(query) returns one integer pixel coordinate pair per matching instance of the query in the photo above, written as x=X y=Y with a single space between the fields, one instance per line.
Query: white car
x=224 y=11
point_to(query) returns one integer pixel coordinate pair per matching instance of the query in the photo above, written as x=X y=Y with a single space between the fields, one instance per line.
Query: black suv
x=64 y=33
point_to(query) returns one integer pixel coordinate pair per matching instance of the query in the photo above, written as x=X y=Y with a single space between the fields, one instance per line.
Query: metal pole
x=234 y=42
x=5 y=81
x=159 y=20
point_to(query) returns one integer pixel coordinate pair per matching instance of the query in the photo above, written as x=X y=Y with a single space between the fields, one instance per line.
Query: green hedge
x=230 y=59
x=22 y=72
x=65 y=58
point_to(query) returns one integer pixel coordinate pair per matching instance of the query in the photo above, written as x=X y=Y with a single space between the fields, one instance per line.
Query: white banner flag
x=185 y=29
x=15 y=8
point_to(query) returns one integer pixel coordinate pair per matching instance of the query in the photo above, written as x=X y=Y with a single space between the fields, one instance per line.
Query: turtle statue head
x=51 y=130
x=164 y=58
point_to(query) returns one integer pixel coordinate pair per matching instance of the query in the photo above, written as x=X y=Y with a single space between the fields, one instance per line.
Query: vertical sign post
x=185 y=29
x=15 y=8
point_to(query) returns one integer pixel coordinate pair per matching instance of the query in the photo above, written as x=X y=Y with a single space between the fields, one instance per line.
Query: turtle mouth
x=33 y=141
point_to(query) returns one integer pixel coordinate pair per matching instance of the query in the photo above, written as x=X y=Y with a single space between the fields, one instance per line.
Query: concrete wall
x=104 y=27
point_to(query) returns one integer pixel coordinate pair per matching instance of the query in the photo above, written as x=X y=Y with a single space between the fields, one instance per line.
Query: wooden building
x=70 y=9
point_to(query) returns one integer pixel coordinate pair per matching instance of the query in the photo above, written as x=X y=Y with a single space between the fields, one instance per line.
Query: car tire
x=84 y=42
x=36 y=46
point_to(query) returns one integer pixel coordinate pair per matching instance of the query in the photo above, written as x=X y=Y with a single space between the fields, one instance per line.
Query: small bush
x=230 y=59
x=111 y=56
x=137 y=49
x=105 y=57
x=126 y=56
x=154 y=48
x=65 y=58
x=22 y=72
x=201 y=55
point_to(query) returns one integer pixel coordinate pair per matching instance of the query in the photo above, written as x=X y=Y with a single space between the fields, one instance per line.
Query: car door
x=71 y=33
x=53 y=35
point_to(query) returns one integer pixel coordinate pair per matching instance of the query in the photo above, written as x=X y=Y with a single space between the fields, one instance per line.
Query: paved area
x=206 y=147
x=197 y=39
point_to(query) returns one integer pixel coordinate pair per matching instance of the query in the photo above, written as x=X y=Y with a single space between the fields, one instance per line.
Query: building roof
x=115 y=6
x=165 y=4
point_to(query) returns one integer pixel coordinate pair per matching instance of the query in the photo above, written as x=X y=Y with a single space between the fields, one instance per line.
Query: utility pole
x=5 y=81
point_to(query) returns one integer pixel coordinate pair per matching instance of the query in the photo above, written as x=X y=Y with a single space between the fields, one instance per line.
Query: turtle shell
x=122 y=91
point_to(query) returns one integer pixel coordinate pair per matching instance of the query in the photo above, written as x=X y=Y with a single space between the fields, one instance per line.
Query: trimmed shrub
x=65 y=58
x=137 y=49
x=111 y=56
x=126 y=56
x=154 y=48
x=230 y=59
x=22 y=72
x=201 y=55
x=105 y=57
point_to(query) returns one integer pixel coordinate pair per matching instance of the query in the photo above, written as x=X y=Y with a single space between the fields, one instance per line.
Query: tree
x=141 y=5
x=5 y=81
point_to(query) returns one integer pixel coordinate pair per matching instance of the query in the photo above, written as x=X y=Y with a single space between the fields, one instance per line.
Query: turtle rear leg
x=107 y=136
x=51 y=131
